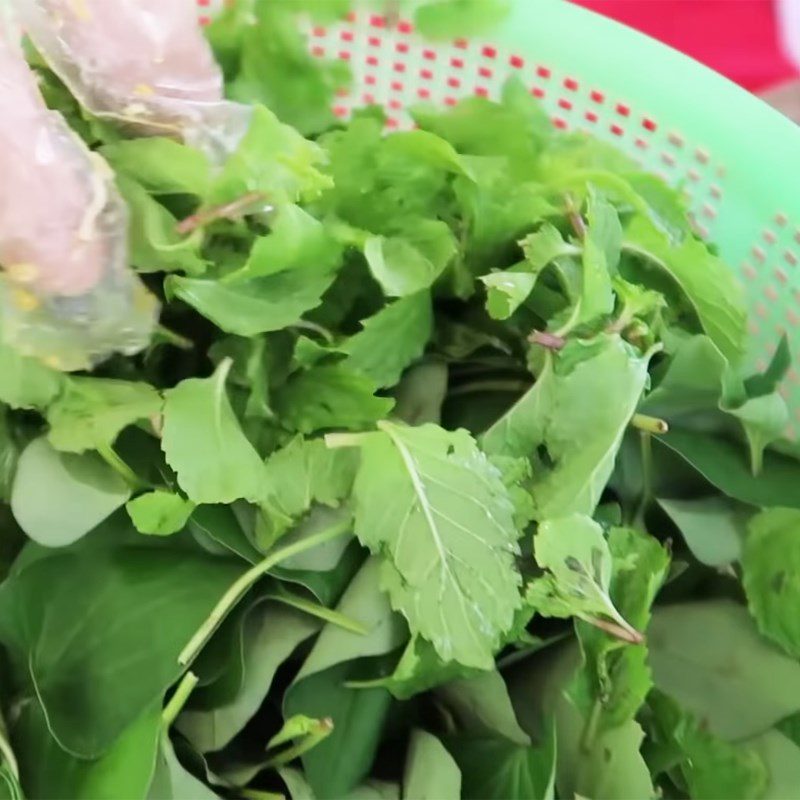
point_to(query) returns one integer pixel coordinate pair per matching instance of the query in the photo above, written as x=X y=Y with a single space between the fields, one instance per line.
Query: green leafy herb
x=159 y=513
x=769 y=575
x=222 y=466
x=447 y=472
x=431 y=503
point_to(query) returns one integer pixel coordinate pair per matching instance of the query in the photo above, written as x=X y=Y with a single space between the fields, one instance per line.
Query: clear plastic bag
x=67 y=295
x=144 y=63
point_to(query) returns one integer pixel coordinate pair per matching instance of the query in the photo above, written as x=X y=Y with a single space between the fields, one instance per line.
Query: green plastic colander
x=737 y=159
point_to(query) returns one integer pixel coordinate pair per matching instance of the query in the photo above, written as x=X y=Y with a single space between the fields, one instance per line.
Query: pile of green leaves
x=389 y=507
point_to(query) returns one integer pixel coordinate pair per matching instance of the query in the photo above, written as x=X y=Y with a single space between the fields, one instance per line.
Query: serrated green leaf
x=407 y=264
x=430 y=502
x=91 y=412
x=770 y=569
x=545 y=245
x=269 y=63
x=274 y=159
x=300 y=474
x=296 y=241
x=616 y=674
x=255 y=306
x=222 y=465
x=575 y=554
x=391 y=340
x=506 y=291
x=601 y=251
x=712 y=767
x=329 y=396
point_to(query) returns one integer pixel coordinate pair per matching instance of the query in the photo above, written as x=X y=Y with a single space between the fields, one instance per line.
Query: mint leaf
x=437 y=511
x=572 y=421
x=711 y=288
x=272 y=158
x=220 y=465
x=545 y=245
x=710 y=766
x=770 y=553
x=616 y=675
x=329 y=396
x=601 y=252
x=155 y=243
x=391 y=340
x=407 y=264
x=274 y=67
x=300 y=474
x=296 y=241
x=159 y=513
x=577 y=560
x=248 y=308
x=506 y=291
x=92 y=412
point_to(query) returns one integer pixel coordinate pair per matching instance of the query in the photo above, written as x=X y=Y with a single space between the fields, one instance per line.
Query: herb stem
x=257 y=794
x=619 y=630
x=321 y=612
x=304 y=324
x=649 y=424
x=575 y=218
x=110 y=456
x=178 y=700
x=312 y=739
x=241 y=585
x=549 y=340
x=8 y=754
x=590 y=729
x=646 y=449
x=334 y=440
x=225 y=211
